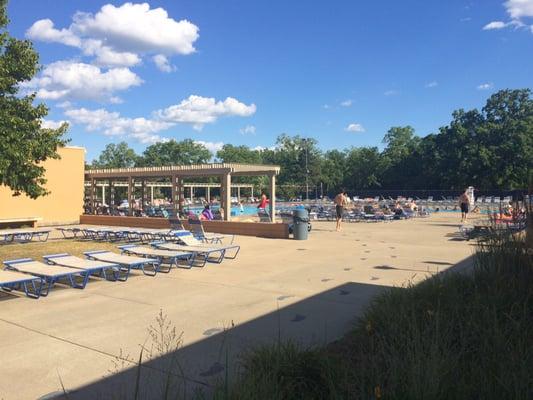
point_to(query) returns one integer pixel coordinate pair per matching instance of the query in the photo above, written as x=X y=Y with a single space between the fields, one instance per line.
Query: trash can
x=300 y=219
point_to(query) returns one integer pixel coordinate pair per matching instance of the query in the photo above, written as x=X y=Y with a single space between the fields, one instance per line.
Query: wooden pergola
x=176 y=174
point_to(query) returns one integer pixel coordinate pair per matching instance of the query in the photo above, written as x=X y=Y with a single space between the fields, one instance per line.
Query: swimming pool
x=235 y=210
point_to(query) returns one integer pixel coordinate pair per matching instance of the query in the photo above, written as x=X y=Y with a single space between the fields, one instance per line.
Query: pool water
x=235 y=210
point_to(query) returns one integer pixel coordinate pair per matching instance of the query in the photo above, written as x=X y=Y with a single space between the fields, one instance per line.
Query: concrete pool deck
x=307 y=290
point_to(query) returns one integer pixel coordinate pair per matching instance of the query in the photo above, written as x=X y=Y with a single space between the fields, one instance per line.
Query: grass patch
x=454 y=336
x=36 y=250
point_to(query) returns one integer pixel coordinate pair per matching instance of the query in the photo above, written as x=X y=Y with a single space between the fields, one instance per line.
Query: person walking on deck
x=340 y=201
x=464 y=204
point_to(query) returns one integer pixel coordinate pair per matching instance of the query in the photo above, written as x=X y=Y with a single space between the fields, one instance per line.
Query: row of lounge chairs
x=144 y=235
x=370 y=214
x=36 y=278
x=23 y=235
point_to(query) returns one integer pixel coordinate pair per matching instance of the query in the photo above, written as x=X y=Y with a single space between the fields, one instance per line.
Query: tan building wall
x=64 y=204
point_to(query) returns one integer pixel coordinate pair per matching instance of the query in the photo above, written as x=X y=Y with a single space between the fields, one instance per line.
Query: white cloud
x=198 y=111
x=162 y=63
x=494 y=25
x=355 y=128
x=195 y=110
x=51 y=124
x=485 y=86
x=106 y=56
x=44 y=30
x=137 y=28
x=247 y=130
x=346 y=103
x=519 y=8
x=391 y=93
x=119 y=36
x=112 y=124
x=74 y=80
x=431 y=84
x=261 y=148
x=326 y=107
x=64 y=104
x=213 y=147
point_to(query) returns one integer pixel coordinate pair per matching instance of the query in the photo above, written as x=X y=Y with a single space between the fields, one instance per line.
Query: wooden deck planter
x=260 y=229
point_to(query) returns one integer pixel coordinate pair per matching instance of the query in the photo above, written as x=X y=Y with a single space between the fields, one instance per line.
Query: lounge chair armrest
x=17 y=261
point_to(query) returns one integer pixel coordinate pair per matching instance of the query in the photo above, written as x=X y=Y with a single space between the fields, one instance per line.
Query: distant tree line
x=490 y=149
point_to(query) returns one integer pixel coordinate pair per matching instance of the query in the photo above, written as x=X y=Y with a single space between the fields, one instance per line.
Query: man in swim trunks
x=464 y=203
x=340 y=201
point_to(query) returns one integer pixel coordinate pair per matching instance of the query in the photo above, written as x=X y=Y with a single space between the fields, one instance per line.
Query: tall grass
x=455 y=336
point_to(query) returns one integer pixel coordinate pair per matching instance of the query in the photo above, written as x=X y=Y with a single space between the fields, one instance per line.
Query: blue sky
x=243 y=72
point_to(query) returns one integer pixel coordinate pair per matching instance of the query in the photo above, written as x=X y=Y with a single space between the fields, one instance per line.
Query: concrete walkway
x=309 y=290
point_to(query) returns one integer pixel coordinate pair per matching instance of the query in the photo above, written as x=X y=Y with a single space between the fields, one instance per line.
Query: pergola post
x=103 y=193
x=130 y=196
x=143 y=194
x=93 y=196
x=225 y=197
x=180 y=193
x=111 y=194
x=208 y=195
x=152 y=194
x=173 y=183
x=272 y=197
x=239 y=194
x=192 y=193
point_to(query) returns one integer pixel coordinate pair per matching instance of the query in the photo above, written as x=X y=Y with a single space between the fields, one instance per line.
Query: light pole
x=306 y=172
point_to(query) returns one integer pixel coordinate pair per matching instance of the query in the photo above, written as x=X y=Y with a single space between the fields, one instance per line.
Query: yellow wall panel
x=64 y=204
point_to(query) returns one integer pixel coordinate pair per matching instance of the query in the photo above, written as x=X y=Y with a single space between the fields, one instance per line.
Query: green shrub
x=454 y=336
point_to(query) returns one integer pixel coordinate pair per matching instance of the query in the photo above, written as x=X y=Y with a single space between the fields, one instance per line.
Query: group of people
x=341 y=200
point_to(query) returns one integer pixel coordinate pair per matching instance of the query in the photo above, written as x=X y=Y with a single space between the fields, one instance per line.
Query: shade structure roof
x=194 y=170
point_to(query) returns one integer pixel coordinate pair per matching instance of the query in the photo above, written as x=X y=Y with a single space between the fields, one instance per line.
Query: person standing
x=340 y=201
x=464 y=204
x=263 y=203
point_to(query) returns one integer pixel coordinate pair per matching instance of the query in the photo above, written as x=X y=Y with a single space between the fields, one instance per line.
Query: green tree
x=239 y=154
x=400 y=142
x=116 y=156
x=364 y=168
x=333 y=170
x=243 y=155
x=509 y=127
x=399 y=158
x=24 y=144
x=491 y=149
x=291 y=153
x=185 y=152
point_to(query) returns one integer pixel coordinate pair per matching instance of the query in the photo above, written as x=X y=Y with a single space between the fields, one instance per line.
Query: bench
x=19 y=222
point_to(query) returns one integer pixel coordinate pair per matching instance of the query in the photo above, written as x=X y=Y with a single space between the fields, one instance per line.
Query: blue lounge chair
x=98 y=268
x=12 y=280
x=198 y=232
x=23 y=235
x=69 y=233
x=149 y=266
x=187 y=238
x=163 y=256
x=50 y=274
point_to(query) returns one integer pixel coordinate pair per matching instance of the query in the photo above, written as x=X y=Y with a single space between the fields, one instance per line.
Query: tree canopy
x=175 y=153
x=116 y=156
x=490 y=149
x=25 y=144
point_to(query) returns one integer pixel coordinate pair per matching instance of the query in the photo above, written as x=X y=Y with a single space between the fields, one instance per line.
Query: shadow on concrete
x=457 y=225
x=316 y=320
x=199 y=366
